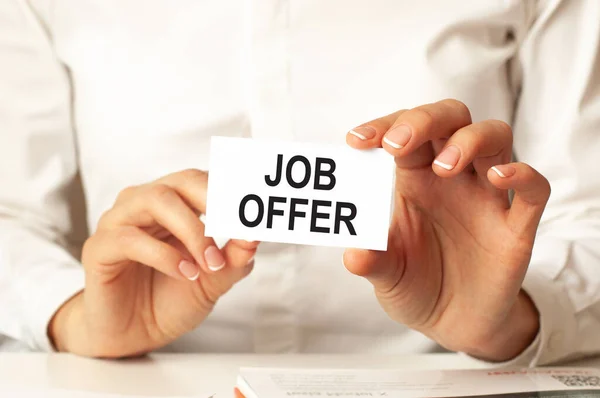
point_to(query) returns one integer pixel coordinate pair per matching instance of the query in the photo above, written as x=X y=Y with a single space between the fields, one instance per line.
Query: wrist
x=514 y=334
x=61 y=324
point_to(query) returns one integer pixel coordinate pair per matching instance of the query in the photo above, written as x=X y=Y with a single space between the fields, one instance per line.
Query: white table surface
x=191 y=374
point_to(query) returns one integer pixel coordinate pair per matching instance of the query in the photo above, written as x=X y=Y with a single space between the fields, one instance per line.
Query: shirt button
x=555 y=341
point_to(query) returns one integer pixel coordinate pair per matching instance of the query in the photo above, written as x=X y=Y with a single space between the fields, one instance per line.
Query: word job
x=293 y=208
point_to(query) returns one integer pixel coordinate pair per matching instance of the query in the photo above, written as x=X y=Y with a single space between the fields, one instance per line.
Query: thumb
x=376 y=266
x=532 y=191
x=239 y=261
x=239 y=253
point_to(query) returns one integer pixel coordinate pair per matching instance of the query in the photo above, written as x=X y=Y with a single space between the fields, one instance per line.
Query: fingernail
x=190 y=270
x=398 y=136
x=448 y=158
x=214 y=258
x=364 y=132
x=504 y=171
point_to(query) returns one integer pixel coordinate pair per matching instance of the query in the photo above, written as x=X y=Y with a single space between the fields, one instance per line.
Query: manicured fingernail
x=448 y=158
x=190 y=270
x=504 y=171
x=214 y=258
x=398 y=136
x=364 y=132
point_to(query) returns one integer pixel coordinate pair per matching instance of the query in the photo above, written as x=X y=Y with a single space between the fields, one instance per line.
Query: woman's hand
x=151 y=274
x=458 y=249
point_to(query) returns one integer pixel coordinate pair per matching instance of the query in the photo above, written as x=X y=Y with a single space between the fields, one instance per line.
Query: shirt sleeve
x=557 y=131
x=38 y=172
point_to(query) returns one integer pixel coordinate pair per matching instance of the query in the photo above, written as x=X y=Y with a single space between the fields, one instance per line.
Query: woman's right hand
x=151 y=274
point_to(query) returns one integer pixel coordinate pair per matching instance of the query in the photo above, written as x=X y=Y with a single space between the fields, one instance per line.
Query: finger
x=406 y=137
x=369 y=135
x=239 y=253
x=239 y=256
x=532 y=191
x=191 y=185
x=375 y=266
x=160 y=204
x=484 y=144
x=111 y=248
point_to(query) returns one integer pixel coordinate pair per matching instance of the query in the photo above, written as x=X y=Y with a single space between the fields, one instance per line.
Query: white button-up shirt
x=97 y=95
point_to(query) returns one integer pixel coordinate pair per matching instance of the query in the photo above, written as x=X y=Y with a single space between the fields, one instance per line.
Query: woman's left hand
x=458 y=249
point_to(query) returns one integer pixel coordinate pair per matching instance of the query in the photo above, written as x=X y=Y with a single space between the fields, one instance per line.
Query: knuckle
x=105 y=219
x=547 y=187
x=126 y=193
x=540 y=184
x=88 y=249
x=194 y=175
x=529 y=172
x=125 y=235
x=458 y=106
x=503 y=126
x=475 y=144
x=425 y=118
x=162 y=193
x=167 y=255
x=471 y=137
x=505 y=129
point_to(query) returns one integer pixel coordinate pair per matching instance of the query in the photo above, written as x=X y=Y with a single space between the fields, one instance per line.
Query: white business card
x=299 y=193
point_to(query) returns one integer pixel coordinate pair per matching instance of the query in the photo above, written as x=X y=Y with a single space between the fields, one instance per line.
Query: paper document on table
x=521 y=383
x=28 y=392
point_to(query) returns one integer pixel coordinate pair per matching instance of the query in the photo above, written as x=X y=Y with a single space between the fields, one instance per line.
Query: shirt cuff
x=58 y=287
x=558 y=325
x=525 y=359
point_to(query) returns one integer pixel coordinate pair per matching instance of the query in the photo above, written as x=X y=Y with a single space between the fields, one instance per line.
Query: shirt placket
x=269 y=105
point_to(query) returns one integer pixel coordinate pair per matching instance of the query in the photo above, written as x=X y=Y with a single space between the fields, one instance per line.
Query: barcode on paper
x=578 y=380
